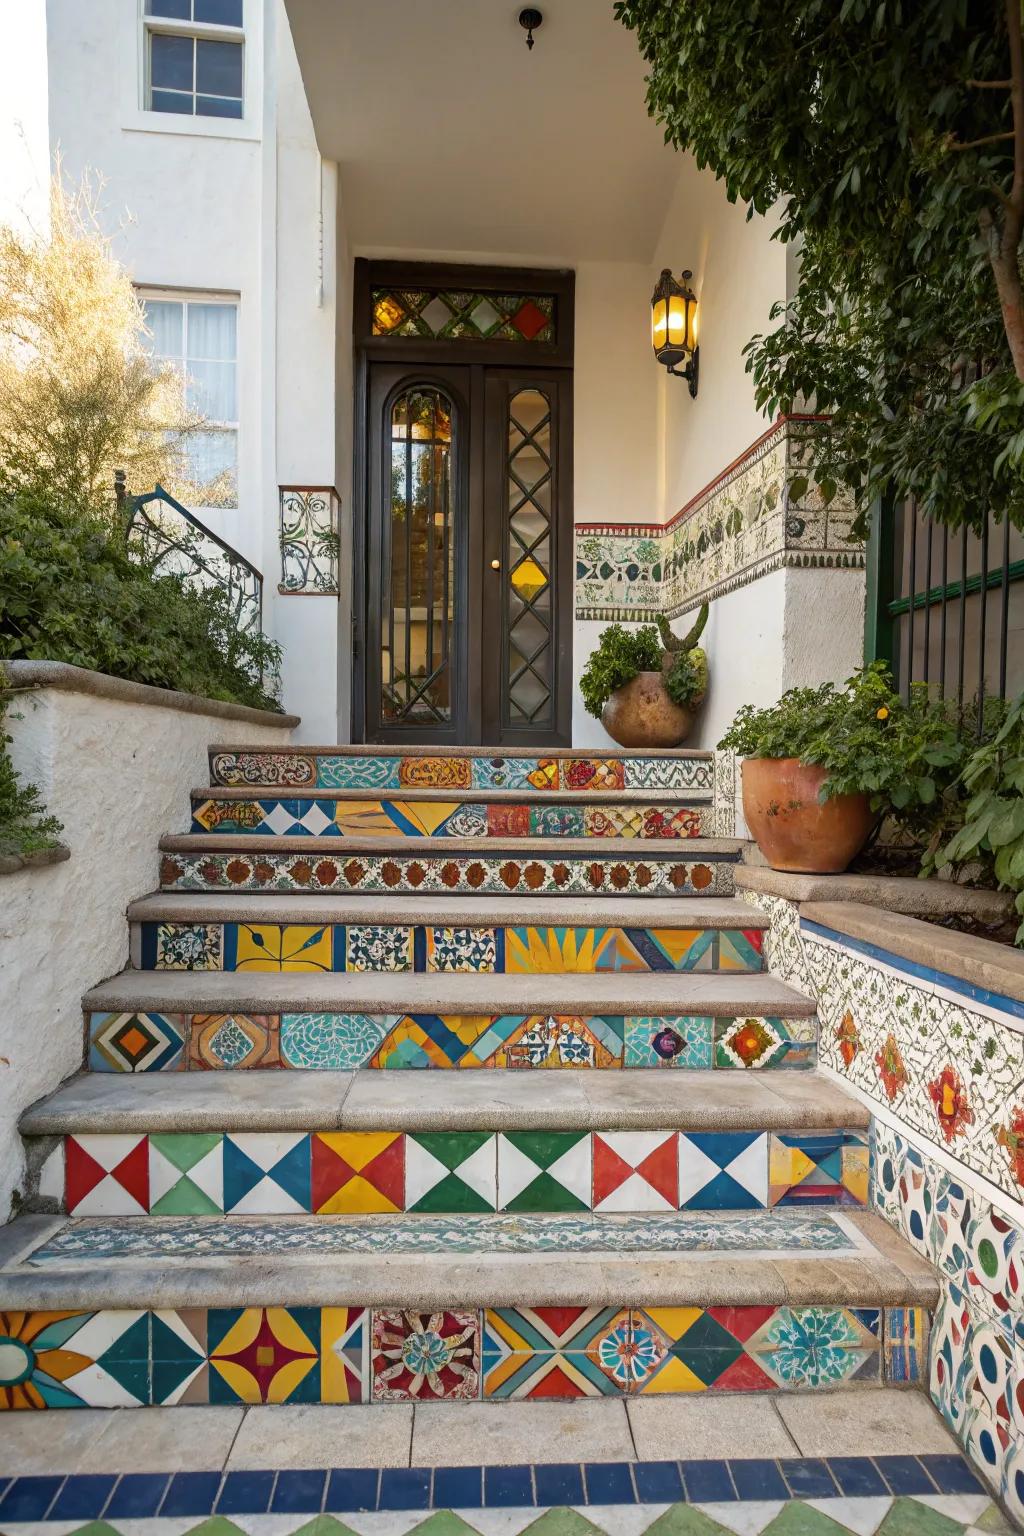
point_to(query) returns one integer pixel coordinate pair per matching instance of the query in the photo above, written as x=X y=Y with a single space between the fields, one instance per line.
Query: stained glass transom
x=448 y=315
x=530 y=657
x=419 y=588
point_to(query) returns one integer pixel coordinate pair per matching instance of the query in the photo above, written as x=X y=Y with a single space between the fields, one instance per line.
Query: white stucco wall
x=24 y=143
x=117 y=775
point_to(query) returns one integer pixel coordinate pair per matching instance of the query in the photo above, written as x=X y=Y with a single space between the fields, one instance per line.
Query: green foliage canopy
x=888 y=138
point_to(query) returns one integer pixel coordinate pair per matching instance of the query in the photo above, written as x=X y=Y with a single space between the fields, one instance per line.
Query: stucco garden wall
x=115 y=762
x=927 y=1028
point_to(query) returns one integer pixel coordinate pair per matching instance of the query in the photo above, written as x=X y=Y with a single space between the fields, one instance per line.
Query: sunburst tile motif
x=755 y=1042
x=136 y=1042
x=422 y=1357
x=74 y=1359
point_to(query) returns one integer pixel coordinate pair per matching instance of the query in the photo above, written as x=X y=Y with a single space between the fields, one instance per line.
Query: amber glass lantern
x=674 y=327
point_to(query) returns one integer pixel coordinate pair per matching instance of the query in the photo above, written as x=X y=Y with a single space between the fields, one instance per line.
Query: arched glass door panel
x=418 y=559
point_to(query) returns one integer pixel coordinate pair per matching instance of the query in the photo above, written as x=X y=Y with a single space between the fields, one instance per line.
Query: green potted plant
x=646 y=690
x=823 y=765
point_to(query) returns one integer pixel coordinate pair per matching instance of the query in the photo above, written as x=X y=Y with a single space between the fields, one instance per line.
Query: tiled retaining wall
x=740 y=527
x=941 y=1063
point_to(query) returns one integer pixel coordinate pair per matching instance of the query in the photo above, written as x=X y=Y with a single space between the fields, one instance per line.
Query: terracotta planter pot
x=642 y=715
x=793 y=829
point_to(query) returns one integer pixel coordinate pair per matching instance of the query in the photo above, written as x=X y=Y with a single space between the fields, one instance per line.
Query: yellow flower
x=882 y=714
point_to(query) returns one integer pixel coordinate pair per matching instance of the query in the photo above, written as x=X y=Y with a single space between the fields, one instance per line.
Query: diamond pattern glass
x=463 y=316
x=530 y=657
x=419 y=586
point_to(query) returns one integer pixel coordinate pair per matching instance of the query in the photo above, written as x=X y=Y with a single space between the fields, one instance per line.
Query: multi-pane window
x=199 y=338
x=194 y=57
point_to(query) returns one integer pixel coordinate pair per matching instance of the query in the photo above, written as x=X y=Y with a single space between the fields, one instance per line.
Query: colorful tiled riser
x=365 y=1172
x=275 y=817
x=742 y=526
x=161 y=1042
x=943 y=1063
x=891 y=1495
x=328 y=770
x=378 y=947
x=652 y=873
x=137 y=1358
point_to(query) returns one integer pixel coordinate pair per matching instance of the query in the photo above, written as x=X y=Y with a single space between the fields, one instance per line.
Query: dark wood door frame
x=514 y=358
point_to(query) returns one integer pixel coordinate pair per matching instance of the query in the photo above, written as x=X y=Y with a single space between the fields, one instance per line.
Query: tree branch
x=1003 y=244
x=990 y=138
x=990 y=85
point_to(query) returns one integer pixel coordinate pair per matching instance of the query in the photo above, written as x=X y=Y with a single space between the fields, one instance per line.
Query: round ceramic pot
x=793 y=829
x=641 y=714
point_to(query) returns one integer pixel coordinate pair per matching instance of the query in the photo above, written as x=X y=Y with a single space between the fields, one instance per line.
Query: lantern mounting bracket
x=690 y=373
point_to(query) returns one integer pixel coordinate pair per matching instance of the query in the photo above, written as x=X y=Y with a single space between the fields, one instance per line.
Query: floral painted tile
x=424 y=1357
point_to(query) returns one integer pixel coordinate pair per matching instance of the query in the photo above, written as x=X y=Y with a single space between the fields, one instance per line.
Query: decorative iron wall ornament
x=175 y=543
x=309 y=540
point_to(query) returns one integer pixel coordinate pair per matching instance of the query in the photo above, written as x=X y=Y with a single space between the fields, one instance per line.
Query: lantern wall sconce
x=674 y=327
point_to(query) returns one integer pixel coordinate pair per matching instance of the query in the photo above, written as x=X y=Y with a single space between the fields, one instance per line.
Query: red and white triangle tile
x=636 y=1171
x=107 y=1175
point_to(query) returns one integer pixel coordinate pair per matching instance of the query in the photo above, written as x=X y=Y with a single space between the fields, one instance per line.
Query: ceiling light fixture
x=530 y=19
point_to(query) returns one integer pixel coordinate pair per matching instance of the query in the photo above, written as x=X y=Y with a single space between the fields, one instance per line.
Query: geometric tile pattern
x=294 y=768
x=405 y=947
x=340 y=1354
x=136 y=1042
x=737 y=529
x=914 y=1040
x=977 y=1334
x=437 y=818
x=652 y=874
x=362 y=1172
x=346 y=1041
x=706 y=1498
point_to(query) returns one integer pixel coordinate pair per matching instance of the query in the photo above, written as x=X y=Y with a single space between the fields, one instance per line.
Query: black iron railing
x=946 y=607
x=176 y=542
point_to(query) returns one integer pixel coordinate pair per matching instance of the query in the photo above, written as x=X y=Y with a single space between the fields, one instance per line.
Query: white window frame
x=148 y=292
x=138 y=116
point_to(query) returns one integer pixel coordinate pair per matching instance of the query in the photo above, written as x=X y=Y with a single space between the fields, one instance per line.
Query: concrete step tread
x=673 y=994
x=695 y=912
x=485 y=796
x=797 y=1258
x=300 y=749
x=679 y=850
x=110 y=1102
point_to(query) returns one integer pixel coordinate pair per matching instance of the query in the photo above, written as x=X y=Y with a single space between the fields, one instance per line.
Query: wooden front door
x=467 y=604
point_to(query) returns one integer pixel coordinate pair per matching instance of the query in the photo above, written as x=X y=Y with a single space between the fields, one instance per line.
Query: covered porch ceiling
x=452 y=137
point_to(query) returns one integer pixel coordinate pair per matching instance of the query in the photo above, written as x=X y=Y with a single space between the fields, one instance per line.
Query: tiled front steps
x=314 y=1309
x=480 y=934
x=189 y=1145
x=452 y=813
x=450 y=865
x=146 y=1021
x=449 y=768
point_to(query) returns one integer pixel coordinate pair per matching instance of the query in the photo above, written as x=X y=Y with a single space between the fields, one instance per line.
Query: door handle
x=495 y=565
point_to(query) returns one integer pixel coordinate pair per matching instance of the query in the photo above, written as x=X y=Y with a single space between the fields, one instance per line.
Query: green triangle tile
x=909 y=1518
x=994 y=1520
x=546 y=1194
x=686 y=1520
x=444 y=1522
x=798 y=1519
x=452 y=1194
x=324 y=1525
x=95 y=1528
x=184 y=1151
x=185 y=1199
x=561 y=1522
x=451 y=1147
x=545 y=1147
x=127 y=1359
x=217 y=1525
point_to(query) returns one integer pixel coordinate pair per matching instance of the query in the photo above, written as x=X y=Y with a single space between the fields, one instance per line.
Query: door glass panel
x=530 y=654
x=417 y=612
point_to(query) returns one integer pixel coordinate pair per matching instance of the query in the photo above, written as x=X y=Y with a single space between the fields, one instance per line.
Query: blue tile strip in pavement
x=140 y=1494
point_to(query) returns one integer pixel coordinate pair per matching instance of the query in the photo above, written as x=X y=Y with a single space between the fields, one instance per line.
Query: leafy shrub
x=686 y=681
x=24 y=825
x=621 y=655
x=993 y=818
x=70 y=591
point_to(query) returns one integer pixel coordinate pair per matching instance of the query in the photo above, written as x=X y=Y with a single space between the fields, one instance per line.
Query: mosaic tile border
x=742 y=526
x=366 y=947
x=977 y=1355
x=159 y=1042
x=431 y=818
x=293 y=768
x=862 y=1493
x=447 y=1172
x=341 y=1354
x=498 y=874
